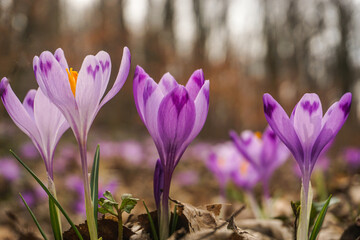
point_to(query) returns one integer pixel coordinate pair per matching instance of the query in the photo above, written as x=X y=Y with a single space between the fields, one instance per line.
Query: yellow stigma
x=72 y=79
x=258 y=135
x=244 y=167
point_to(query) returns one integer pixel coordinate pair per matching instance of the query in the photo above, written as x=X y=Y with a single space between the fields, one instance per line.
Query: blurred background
x=245 y=48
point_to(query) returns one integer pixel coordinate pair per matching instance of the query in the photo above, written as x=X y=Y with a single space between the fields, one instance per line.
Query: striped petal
x=195 y=83
x=167 y=83
x=282 y=127
x=120 y=79
x=176 y=118
x=332 y=122
x=140 y=79
x=17 y=112
x=307 y=119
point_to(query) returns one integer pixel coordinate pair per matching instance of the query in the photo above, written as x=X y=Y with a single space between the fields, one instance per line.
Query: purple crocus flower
x=306 y=133
x=221 y=162
x=38 y=118
x=174 y=115
x=227 y=164
x=79 y=96
x=264 y=152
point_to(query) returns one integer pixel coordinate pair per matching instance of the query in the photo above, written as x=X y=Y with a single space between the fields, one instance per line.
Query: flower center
x=258 y=135
x=72 y=79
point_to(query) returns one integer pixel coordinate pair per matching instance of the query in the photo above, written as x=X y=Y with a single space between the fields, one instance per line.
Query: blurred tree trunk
x=199 y=46
x=271 y=58
x=344 y=69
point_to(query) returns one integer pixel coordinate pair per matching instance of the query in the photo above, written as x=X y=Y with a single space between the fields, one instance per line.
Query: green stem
x=306 y=201
x=89 y=206
x=57 y=223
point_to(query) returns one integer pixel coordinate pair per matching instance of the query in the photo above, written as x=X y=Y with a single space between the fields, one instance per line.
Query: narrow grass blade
x=34 y=218
x=319 y=220
x=174 y=221
x=54 y=220
x=49 y=194
x=153 y=229
x=94 y=182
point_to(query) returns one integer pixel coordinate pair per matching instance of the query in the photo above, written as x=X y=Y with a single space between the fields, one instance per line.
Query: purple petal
x=167 y=83
x=88 y=87
x=282 y=127
x=121 y=77
x=249 y=146
x=53 y=80
x=332 y=122
x=60 y=57
x=140 y=78
x=28 y=102
x=176 y=120
x=17 y=111
x=49 y=121
x=195 y=83
x=151 y=98
x=274 y=152
x=201 y=111
x=105 y=64
x=307 y=119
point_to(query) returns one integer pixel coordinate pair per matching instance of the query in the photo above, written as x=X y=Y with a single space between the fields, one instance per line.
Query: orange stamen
x=258 y=135
x=72 y=79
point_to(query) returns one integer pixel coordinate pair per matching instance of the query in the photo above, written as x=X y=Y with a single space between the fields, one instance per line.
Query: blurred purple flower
x=174 y=115
x=352 y=156
x=306 y=133
x=28 y=197
x=29 y=151
x=187 y=178
x=79 y=96
x=199 y=151
x=38 y=118
x=9 y=170
x=131 y=151
x=227 y=164
x=264 y=152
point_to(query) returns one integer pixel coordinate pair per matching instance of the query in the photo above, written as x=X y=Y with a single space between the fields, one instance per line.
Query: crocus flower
x=38 y=118
x=264 y=152
x=306 y=133
x=227 y=164
x=79 y=96
x=222 y=161
x=174 y=115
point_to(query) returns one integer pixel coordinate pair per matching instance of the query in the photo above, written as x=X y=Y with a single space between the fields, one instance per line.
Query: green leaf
x=320 y=220
x=127 y=203
x=94 y=181
x=54 y=220
x=109 y=196
x=295 y=206
x=317 y=207
x=174 y=221
x=153 y=229
x=49 y=194
x=34 y=218
x=106 y=207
